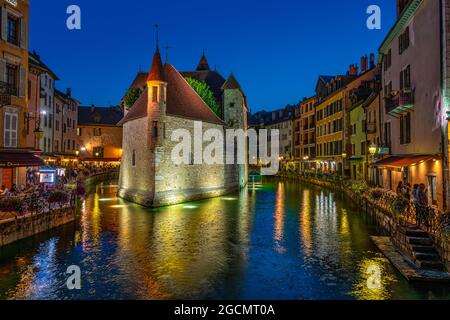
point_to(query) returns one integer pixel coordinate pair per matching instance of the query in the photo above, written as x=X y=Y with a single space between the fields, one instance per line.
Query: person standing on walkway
x=407 y=191
x=415 y=194
x=422 y=195
x=400 y=188
x=422 y=204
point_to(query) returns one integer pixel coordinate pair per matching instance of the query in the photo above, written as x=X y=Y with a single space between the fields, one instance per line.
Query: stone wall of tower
x=235 y=116
x=136 y=182
x=140 y=140
x=180 y=183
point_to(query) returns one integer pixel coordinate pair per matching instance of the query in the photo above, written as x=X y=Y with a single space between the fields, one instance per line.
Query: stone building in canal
x=168 y=102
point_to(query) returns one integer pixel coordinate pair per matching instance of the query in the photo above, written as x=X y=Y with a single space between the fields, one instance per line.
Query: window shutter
x=408 y=128
x=22 y=82
x=4 y=24
x=14 y=131
x=3 y=70
x=401 y=80
x=23 y=34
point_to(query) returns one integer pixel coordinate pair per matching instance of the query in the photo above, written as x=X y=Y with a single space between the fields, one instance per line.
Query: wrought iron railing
x=32 y=204
x=403 y=98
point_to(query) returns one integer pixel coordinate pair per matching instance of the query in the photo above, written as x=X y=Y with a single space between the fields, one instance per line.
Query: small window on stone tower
x=155 y=94
x=232 y=104
x=133 y=159
x=161 y=92
x=155 y=129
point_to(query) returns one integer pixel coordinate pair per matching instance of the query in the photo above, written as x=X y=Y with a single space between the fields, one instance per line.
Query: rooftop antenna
x=157 y=35
x=167 y=47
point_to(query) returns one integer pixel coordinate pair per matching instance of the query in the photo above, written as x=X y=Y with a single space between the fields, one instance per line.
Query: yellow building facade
x=14 y=155
x=330 y=133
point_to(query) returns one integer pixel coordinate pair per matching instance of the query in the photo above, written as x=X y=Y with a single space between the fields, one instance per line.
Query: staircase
x=422 y=250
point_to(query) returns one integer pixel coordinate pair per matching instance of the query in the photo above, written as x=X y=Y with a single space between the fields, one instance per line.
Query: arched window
x=133 y=159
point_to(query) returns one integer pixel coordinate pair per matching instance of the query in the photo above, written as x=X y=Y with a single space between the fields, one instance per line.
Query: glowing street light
x=373 y=150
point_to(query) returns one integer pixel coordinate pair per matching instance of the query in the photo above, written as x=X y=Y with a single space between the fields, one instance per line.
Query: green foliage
x=204 y=91
x=132 y=95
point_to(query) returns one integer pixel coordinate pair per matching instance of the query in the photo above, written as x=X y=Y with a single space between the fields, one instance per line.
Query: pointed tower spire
x=156 y=71
x=203 y=64
x=157 y=36
x=231 y=83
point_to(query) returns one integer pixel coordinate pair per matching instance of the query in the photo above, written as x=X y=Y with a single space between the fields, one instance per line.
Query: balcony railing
x=6 y=91
x=400 y=102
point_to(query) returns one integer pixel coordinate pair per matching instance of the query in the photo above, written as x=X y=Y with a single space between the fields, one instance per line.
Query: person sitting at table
x=4 y=191
x=13 y=189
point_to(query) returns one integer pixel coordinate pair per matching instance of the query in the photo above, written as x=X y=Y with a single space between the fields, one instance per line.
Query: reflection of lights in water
x=107 y=199
x=305 y=223
x=118 y=206
x=345 y=228
x=279 y=216
x=374 y=281
x=229 y=199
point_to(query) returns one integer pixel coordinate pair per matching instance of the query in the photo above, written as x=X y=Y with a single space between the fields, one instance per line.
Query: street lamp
x=372 y=150
x=344 y=156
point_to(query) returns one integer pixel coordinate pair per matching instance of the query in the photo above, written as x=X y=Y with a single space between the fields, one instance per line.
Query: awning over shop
x=100 y=159
x=401 y=162
x=12 y=159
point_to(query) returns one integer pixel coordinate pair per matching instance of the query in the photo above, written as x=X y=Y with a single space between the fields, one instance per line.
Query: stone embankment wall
x=101 y=177
x=19 y=228
x=15 y=229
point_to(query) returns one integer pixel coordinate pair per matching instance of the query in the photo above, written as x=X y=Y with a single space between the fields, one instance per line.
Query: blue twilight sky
x=276 y=48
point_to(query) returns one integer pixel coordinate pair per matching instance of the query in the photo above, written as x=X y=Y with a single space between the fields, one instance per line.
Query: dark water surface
x=277 y=240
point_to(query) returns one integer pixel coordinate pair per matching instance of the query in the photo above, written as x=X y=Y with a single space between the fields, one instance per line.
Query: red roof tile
x=231 y=83
x=203 y=64
x=156 y=71
x=139 y=109
x=182 y=101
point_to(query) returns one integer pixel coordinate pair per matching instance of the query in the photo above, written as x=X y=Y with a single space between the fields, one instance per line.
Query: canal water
x=276 y=240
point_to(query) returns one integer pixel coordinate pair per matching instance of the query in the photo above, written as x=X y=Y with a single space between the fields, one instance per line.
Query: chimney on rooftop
x=364 y=64
x=69 y=92
x=372 y=60
x=353 y=70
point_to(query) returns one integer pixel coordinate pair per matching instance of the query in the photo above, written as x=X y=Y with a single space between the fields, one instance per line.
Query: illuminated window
x=432 y=187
